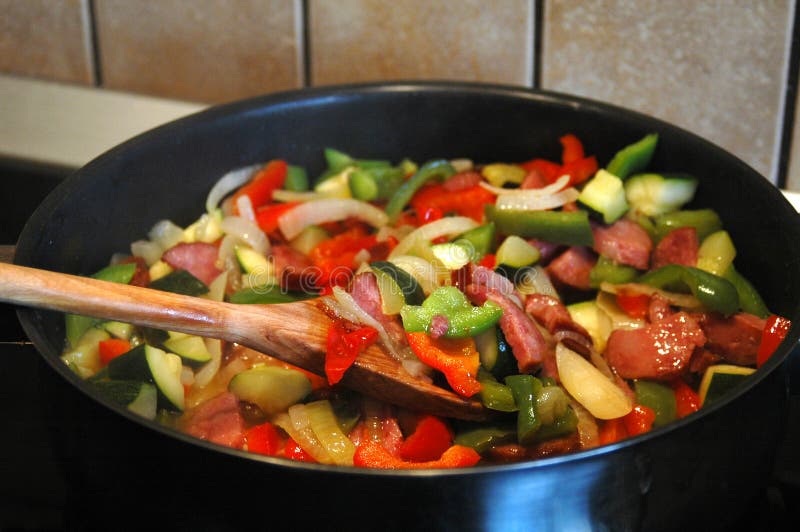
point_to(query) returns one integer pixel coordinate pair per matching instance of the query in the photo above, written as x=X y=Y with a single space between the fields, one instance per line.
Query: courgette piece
x=117 y=329
x=452 y=255
x=309 y=238
x=654 y=194
x=597 y=323
x=150 y=364
x=488 y=348
x=273 y=389
x=719 y=379
x=481 y=240
x=180 y=282
x=516 y=252
x=604 y=196
x=138 y=397
x=251 y=261
x=265 y=295
x=84 y=356
x=716 y=253
x=392 y=298
x=191 y=349
x=412 y=291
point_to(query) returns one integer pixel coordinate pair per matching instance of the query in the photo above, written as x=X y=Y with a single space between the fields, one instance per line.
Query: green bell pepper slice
x=559 y=227
x=749 y=298
x=525 y=388
x=565 y=424
x=633 y=158
x=438 y=169
x=479 y=240
x=494 y=395
x=714 y=292
x=464 y=319
x=296 y=179
x=606 y=270
x=658 y=397
x=484 y=438
x=705 y=222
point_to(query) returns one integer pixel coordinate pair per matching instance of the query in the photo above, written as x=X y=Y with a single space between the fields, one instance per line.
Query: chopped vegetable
x=458 y=359
x=774 y=332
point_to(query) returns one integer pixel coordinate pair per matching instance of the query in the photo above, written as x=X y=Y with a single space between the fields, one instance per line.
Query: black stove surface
x=33 y=490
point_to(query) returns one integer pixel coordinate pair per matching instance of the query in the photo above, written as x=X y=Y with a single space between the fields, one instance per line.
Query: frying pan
x=703 y=471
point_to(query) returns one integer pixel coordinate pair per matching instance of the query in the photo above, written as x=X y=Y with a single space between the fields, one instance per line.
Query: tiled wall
x=720 y=68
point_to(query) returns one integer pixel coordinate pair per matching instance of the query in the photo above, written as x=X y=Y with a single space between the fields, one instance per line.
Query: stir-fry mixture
x=582 y=304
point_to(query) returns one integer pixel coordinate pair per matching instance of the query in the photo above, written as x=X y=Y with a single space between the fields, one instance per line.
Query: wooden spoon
x=293 y=332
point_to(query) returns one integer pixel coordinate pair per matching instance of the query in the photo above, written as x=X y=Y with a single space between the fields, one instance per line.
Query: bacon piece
x=573 y=267
x=625 y=242
x=294 y=270
x=659 y=308
x=439 y=326
x=547 y=250
x=462 y=181
x=141 y=276
x=525 y=339
x=218 y=420
x=701 y=359
x=660 y=351
x=364 y=289
x=679 y=246
x=736 y=338
x=554 y=316
x=197 y=258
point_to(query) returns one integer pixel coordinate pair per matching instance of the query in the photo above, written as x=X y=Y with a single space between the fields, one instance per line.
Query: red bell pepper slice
x=343 y=348
x=372 y=454
x=488 y=261
x=572 y=149
x=431 y=438
x=112 y=348
x=634 y=305
x=467 y=202
x=774 y=332
x=580 y=170
x=612 y=431
x=457 y=358
x=335 y=257
x=264 y=183
x=687 y=400
x=263 y=439
x=293 y=451
x=639 y=420
x=267 y=216
x=548 y=169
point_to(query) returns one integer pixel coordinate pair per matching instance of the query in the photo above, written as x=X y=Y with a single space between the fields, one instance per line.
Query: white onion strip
x=523 y=200
x=449 y=226
x=245 y=206
x=228 y=183
x=329 y=210
x=246 y=231
x=552 y=188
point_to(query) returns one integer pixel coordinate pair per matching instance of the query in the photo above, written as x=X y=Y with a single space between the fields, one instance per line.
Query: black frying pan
x=702 y=471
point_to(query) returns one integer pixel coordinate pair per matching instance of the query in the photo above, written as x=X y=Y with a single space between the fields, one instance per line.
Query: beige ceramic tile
x=203 y=50
x=46 y=39
x=367 y=40
x=713 y=67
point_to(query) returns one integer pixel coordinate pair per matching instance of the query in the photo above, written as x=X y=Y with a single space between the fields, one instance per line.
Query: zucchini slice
x=516 y=252
x=272 y=388
x=412 y=291
x=719 y=379
x=604 y=195
x=150 y=364
x=654 y=194
x=191 y=349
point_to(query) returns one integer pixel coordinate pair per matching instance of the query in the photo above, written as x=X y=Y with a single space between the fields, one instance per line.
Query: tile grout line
x=790 y=92
x=538 y=25
x=92 y=42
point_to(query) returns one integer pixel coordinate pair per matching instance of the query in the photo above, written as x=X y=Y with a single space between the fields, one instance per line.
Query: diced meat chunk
x=293 y=269
x=551 y=313
x=462 y=181
x=219 y=421
x=679 y=246
x=525 y=339
x=624 y=242
x=660 y=351
x=659 y=308
x=573 y=267
x=197 y=258
x=364 y=289
x=736 y=338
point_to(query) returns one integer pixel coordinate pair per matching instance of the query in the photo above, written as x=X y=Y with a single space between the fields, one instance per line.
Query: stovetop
x=32 y=487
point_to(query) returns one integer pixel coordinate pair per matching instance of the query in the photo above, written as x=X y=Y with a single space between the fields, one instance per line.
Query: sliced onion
x=462 y=165
x=216 y=290
x=536 y=281
x=210 y=368
x=383 y=233
x=166 y=234
x=574 y=337
x=523 y=200
x=599 y=395
x=361 y=257
x=228 y=183
x=246 y=231
x=425 y=273
x=245 y=206
x=187 y=376
x=550 y=189
x=450 y=226
x=329 y=210
x=678 y=300
x=287 y=196
x=149 y=251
